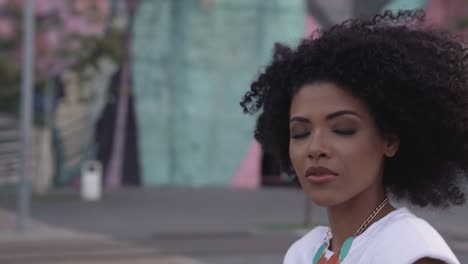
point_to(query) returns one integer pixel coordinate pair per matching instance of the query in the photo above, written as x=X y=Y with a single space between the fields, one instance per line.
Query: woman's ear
x=391 y=145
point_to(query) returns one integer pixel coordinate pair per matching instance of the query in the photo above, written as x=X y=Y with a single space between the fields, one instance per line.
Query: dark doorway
x=271 y=175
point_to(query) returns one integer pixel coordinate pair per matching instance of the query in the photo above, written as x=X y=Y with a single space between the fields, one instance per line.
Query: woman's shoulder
x=303 y=247
x=409 y=237
x=405 y=224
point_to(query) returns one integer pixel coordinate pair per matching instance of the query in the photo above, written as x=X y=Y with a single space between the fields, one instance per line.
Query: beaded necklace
x=320 y=258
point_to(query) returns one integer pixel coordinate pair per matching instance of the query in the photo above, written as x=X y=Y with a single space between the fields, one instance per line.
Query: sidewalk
x=211 y=225
x=44 y=244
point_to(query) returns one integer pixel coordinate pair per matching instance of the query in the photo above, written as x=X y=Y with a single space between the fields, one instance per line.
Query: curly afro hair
x=414 y=80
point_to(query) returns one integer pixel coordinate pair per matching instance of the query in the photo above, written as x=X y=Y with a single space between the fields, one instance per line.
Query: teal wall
x=396 y=5
x=191 y=66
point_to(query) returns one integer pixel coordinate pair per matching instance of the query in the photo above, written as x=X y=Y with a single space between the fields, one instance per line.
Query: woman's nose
x=317 y=148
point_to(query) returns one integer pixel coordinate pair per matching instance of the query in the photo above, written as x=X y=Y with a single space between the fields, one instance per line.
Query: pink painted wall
x=249 y=173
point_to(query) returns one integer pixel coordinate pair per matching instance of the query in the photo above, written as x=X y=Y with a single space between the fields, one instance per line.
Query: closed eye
x=301 y=135
x=345 y=132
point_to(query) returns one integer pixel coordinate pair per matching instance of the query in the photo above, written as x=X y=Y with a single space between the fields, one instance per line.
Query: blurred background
x=140 y=152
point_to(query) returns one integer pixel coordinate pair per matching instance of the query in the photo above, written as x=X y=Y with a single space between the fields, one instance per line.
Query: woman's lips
x=320 y=175
x=320 y=179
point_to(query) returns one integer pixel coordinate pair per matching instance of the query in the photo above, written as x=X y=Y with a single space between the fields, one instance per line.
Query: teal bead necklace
x=319 y=257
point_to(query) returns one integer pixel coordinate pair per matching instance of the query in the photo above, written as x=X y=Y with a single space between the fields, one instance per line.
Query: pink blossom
x=10 y=2
x=43 y=7
x=81 y=5
x=52 y=39
x=6 y=28
x=95 y=29
x=75 y=24
x=104 y=7
x=86 y=18
x=63 y=7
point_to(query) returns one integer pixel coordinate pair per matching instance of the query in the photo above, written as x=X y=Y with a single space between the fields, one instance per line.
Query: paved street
x=212 y=226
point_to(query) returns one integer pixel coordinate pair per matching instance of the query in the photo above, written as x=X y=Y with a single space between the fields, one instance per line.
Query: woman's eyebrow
x=299 y=119
x=340 y=113
x=328 y=117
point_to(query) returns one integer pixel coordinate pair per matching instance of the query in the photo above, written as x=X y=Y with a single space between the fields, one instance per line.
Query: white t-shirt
x=398 y=238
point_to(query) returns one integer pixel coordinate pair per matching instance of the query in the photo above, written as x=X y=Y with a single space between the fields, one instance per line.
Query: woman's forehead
x=323 y=98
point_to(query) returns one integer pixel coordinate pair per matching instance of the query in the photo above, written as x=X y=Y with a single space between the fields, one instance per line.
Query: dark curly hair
x=414 y=80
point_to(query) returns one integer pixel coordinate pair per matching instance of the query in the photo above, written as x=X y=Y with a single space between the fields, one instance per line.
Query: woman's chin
x=324 y=200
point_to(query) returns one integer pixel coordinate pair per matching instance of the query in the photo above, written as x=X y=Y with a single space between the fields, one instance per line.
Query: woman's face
x=335 y=146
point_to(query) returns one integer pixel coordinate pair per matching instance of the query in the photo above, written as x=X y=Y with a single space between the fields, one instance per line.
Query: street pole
x=27 y=80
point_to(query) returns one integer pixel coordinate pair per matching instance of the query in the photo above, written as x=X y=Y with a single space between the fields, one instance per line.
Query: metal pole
x=27 y=80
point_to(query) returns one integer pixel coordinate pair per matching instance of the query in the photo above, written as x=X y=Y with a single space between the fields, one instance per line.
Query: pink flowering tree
x=69 y=34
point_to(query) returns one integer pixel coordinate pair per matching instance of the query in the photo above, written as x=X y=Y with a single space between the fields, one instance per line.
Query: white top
x=398 y=238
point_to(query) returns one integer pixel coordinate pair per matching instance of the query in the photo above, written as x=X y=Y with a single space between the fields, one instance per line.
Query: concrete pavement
x=213 y=226
x=44 y=244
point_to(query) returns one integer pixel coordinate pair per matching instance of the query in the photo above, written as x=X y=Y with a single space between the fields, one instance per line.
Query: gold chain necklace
x=371 y=217
x=319 y=257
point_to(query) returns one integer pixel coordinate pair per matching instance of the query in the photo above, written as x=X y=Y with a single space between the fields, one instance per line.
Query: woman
x=367 y=109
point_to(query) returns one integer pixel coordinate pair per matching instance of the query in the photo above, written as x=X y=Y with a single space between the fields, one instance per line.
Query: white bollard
x=91 y=178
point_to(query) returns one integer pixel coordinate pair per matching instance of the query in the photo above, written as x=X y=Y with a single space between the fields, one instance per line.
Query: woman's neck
x=346 y=218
